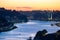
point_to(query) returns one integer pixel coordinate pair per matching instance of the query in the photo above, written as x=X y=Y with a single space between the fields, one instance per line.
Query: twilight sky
x=31 y=4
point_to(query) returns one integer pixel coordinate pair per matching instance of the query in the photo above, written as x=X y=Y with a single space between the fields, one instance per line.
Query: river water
x=29 y=29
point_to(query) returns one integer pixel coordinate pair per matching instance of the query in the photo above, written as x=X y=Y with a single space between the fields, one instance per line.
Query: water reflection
x=25 y=30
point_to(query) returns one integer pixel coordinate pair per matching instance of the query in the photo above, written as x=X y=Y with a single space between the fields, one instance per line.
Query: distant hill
x=24 y=16
x=45 y=15
x=13 y=16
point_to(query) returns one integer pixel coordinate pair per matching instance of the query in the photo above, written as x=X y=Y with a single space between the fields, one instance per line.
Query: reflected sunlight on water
x=29 y=29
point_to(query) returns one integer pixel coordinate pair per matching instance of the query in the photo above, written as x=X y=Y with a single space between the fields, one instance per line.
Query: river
x=29 y=29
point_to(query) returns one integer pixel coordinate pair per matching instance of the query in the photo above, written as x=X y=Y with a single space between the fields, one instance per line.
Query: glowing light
x=33 y=4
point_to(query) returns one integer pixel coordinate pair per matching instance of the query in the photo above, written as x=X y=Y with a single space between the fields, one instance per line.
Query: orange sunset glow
x=31 y=4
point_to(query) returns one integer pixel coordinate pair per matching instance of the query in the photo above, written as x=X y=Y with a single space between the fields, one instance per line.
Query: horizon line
x=29 y=9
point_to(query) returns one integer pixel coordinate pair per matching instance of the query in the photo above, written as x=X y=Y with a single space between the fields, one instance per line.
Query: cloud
x=24 y=7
